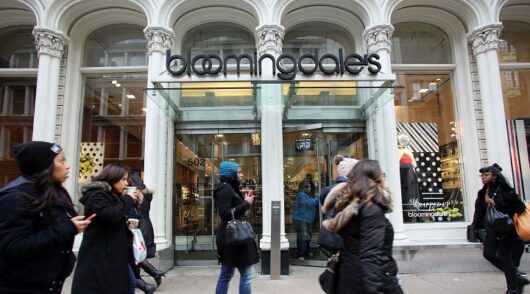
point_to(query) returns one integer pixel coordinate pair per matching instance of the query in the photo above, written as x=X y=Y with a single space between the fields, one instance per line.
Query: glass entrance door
x=196 y=168
x=309 y=153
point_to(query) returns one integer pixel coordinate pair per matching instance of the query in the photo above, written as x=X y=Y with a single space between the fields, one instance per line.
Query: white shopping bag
x=139 y=249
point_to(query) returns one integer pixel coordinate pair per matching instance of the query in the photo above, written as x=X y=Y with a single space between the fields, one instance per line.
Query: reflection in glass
x=18 y=47
x=113 y=115
x=514 y=44
x=420 y=43
x=17 y=106
x=116 y=45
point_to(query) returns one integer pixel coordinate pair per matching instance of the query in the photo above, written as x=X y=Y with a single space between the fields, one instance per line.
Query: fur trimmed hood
x=93 y=185
x=342 y=217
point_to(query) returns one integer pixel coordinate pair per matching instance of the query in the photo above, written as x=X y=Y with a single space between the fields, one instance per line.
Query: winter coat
x=305 y=208
x=506 y=201
x=146 y=226
x=106 y=249
x=228 y=196
x=366 y=263
x=35 y=248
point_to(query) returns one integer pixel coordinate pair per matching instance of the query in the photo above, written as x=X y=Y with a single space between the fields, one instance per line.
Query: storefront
x=432 y=91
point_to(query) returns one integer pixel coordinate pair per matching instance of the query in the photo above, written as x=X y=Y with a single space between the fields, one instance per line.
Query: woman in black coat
x=366 y=263
x=38 y=222
x=227 y=197
x=105 y=256
x=503 y=251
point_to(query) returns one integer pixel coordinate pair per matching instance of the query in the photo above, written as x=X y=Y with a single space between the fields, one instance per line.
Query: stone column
x=484 y=45
x=157 y=165
x=269 y=40
x=378 y=40
x=50 y=46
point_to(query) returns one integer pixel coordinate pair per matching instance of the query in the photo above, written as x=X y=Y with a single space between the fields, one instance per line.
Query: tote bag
x=522 y=223
x=139 y=249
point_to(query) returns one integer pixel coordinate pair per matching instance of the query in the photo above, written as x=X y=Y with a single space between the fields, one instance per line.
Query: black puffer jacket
x=506 y=201
x=35 y=248
x=106 y=249
x=367 y=265
x=228 y=196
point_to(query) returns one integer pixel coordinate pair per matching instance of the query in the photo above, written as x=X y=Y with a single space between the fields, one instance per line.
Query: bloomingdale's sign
x=328 y=64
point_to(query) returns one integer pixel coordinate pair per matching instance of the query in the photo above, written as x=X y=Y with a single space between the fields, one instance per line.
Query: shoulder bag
x=328 y=279
x=497 y=222
x=522 y=223
x=238 y=231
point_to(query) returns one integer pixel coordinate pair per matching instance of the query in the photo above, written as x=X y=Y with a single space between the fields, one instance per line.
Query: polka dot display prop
x=90 y=160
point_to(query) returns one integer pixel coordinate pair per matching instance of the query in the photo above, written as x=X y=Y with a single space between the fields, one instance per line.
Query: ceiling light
x=114 y=82
x=423 y=91
x=118 y=85
x=144 y=109
x=130 y=96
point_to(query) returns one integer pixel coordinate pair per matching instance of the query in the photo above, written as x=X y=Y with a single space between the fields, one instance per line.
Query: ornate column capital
x=378 y=37
x=48 y=41
x=159 y=39
x=270 y=38
x=485 y=38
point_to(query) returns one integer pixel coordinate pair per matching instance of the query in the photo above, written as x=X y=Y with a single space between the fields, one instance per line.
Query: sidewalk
x=304 y=280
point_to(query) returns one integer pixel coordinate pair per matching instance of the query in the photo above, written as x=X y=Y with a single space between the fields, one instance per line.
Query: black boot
x=521 y=282
x=152 y=271
x=146 y=287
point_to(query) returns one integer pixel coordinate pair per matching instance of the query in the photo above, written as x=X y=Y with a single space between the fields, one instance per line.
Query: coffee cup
x=133 y=222
x=130 y=190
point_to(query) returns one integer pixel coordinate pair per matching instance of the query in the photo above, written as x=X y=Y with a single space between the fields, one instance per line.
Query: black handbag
x=329 y=242
x=238 y=231
x=328 y=279
x=497 y=222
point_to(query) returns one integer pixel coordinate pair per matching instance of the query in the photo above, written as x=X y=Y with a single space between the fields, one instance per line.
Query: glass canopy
x=241 y=101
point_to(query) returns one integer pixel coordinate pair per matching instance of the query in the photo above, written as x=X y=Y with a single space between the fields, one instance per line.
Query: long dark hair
x=112 y=173
x=365 y=182
x=47 y=190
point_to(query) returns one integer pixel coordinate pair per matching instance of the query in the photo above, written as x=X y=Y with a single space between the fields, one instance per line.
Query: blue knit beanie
x=228 y=169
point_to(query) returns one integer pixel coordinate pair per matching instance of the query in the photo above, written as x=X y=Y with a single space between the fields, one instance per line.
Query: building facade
x=432 y=90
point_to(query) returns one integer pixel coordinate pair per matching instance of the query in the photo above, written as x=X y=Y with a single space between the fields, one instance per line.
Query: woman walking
x=38 y=222
x=366 y=263
x=105 y=260
x=503 y=251
x=228 y=197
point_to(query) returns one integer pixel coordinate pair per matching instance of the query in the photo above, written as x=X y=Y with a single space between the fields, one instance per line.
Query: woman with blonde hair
x=366 y=263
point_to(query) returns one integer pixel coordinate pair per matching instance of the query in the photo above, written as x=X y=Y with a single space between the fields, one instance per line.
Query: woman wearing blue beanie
x=227 y=197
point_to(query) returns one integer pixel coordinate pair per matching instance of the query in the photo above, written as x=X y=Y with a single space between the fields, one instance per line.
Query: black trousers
x=505 y=254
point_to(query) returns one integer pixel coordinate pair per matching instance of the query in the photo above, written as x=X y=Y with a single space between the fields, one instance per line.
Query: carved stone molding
x=49 y=42
x=158 y=39
x=485 y=38
x=378 y=37
x=270 y=38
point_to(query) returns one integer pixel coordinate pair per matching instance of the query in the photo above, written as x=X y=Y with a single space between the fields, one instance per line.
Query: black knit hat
x=35 y=156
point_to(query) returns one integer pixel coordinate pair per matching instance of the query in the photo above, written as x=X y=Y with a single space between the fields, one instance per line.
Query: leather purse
x=328 y=279
x=238 y=232
x=522 y=223
x=497 y=222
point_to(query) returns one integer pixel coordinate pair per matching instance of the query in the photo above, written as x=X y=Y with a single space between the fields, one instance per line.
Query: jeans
x=132 y=280
x=245 y=281
x=504 y=254
x=303 y=238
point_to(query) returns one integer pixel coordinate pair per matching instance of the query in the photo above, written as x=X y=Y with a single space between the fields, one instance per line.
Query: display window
x=114 y=104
